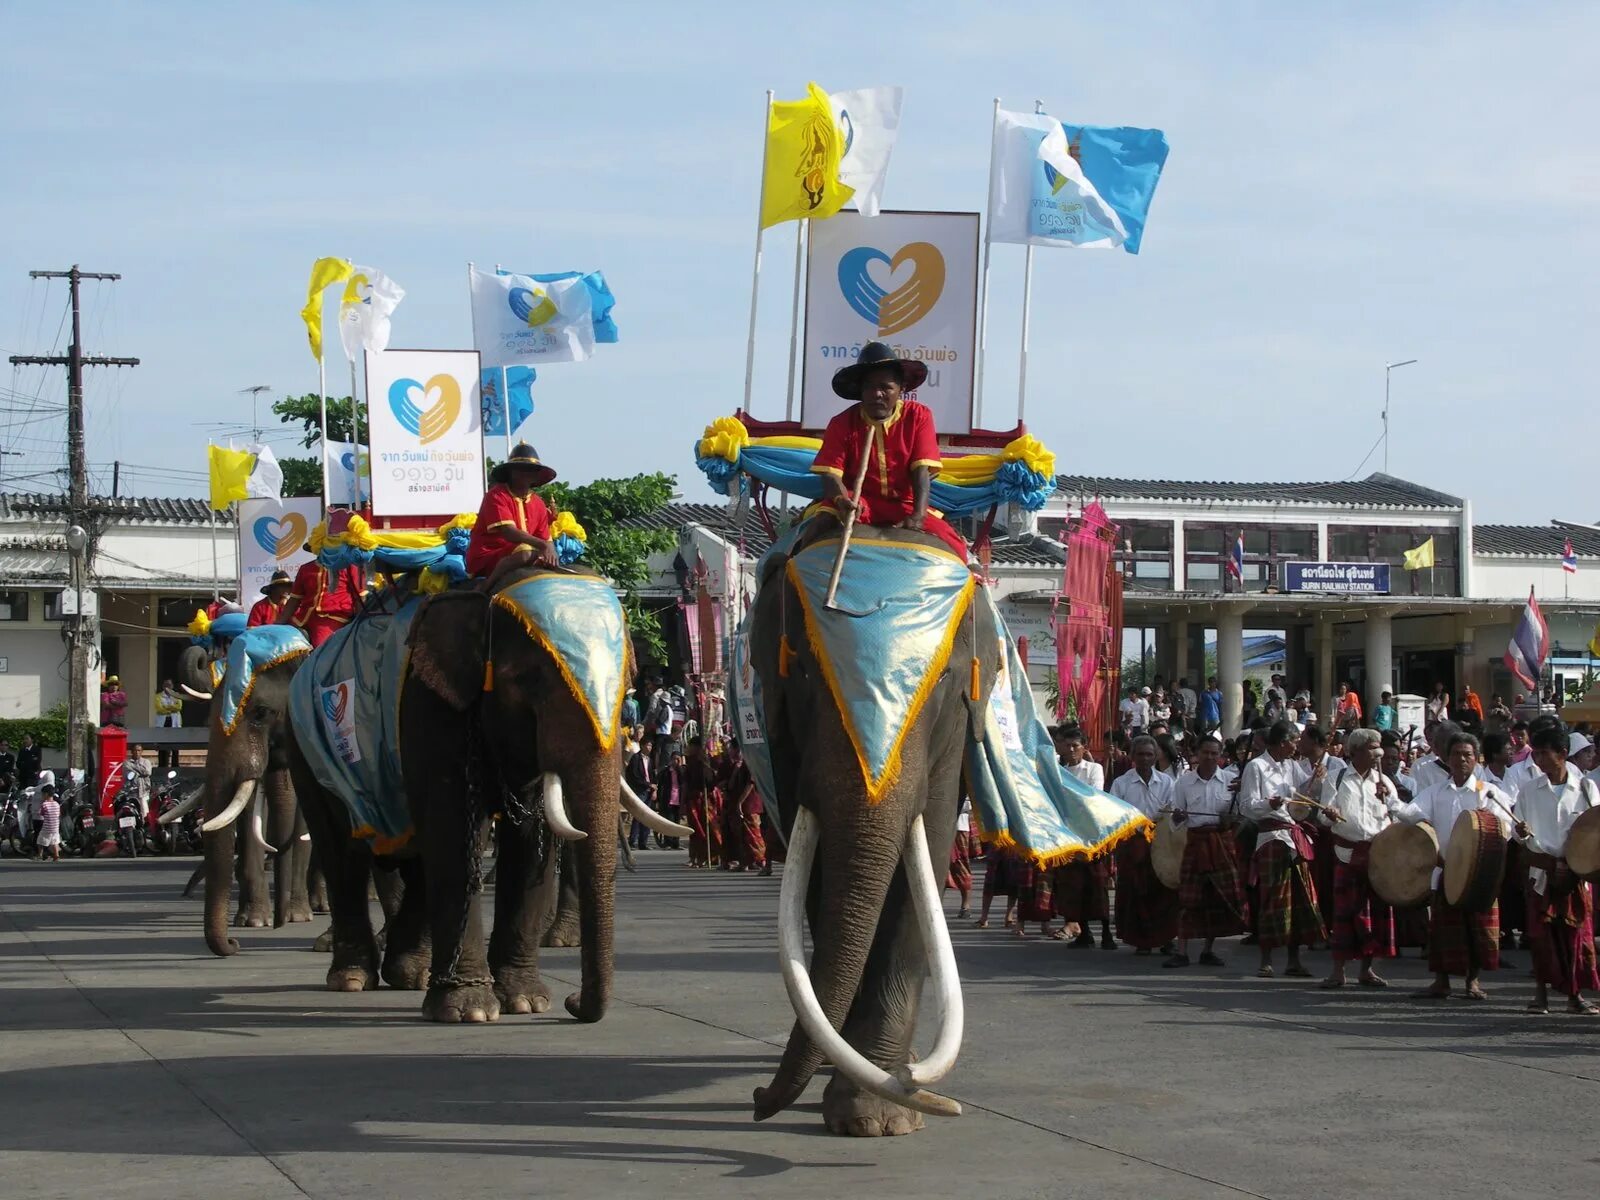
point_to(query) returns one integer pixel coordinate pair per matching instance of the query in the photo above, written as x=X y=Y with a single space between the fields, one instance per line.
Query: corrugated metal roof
x=1375 y=491
x=38 y=564
x=1534 y=541
x=1028 y=550
x=134 y=510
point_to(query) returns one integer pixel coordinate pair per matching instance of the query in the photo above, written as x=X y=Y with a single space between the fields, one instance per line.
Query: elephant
x=513 y=732
x=864 y=873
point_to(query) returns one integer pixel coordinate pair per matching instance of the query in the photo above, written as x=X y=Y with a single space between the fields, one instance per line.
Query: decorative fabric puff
x=570 y=538
x=442 y=550
x=213 y=632
x=253 y=651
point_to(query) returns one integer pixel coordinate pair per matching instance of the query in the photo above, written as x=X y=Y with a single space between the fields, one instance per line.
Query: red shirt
x=329 y=595
x=502 y=510
x=907 y=441
x=264 y=612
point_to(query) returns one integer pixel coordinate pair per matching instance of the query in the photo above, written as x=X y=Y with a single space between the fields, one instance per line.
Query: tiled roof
x=1028 y=550
x=1376 y=490
x=1535 y=541
x=44 y=565
x=718 y=518
x=151 y=510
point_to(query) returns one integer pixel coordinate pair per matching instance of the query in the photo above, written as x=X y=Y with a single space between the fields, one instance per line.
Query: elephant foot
x=252 y=918
x=564 y=932
x=299 y=912
x=471 y=1003
x=407 y=972
x=319 y=899
x=849 y=1111
x=324 y=942
x=352 y=979
x=521 y=991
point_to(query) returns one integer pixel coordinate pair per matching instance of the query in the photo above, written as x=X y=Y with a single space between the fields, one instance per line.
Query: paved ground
x=133 y=1064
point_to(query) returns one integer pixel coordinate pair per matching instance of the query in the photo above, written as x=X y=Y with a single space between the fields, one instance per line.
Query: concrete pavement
x=133 y=1064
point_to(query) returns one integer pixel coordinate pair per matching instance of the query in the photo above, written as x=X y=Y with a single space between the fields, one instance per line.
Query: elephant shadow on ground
x=420 y=1104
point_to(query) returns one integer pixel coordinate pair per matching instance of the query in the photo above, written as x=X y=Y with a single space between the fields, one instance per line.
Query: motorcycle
x=77 y=823
x=179 y=835
x=130 y=828
x=11 y=831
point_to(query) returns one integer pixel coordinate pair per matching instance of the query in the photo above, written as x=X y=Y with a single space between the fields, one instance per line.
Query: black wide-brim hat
x=279 y=579
x=523 y=455
x=847 y=380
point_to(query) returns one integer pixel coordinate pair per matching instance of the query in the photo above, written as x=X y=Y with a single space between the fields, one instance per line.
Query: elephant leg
x=316 y=883
x=407 y=947
x=297 y=860
x=255 y=899
x=514 y=944
x=346 y=865
x=279 y=822
x=563 y=928
x=460 y=988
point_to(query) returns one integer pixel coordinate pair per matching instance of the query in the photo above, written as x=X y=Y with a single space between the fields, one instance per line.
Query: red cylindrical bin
x=113 y=752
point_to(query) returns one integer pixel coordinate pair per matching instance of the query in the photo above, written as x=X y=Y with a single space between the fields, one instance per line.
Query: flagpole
x=755 y=273
x=322 y=408
x=1027 y=309
x=216 y=571
x=794 y=312
x=505 y=397
x=355 y=433
x=983 y=282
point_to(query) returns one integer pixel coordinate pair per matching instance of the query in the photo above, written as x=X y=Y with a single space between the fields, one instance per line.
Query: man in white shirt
x=1187 y=703
x=1286 y=896
x=1560 y=914
x=1363 y=925
x=1433 y=768
x=1211 y=895
x=1082 y=888
x=1147 y=910
x=1459 y=943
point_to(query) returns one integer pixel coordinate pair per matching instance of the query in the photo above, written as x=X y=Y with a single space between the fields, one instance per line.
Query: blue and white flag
x=1081 y=186
x=345 y=486
x=520 y=319
x=869 y=122
x=506 y=389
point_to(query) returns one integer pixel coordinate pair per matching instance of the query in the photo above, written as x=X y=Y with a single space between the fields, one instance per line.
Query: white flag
x=266 y=477
x=1039 y=195
x=517 y=319
x=869 y=120
x=369 y=298
x=343 y=485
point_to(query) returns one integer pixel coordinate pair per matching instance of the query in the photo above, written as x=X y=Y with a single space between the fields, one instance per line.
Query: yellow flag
x=1421 y=557
x=230 y=473
x=324 y=273
x=1594 y=642
x=803 y=152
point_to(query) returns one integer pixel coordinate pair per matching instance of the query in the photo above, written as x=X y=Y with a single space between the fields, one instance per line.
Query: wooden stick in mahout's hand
x=850 y=521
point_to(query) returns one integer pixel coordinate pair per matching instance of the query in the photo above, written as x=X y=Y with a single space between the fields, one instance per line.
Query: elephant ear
x=444 y=647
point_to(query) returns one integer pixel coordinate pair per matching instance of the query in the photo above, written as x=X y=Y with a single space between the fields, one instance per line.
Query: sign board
x=69 y=603
x=1343 y=579
x=1410 y=713
x=426 y=425
x=271 y=536
x=5 y=665
x=906 y=278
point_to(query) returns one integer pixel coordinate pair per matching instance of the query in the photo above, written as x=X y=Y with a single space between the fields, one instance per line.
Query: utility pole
x=80 y=513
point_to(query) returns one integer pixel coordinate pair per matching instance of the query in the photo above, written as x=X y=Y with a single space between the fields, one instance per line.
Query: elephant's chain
x=473 y=788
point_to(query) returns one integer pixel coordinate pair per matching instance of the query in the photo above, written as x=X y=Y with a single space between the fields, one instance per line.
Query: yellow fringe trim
x=607 y=740
x=244 y=697
x=1045 y=860
x=380 y=843
x=879 y=787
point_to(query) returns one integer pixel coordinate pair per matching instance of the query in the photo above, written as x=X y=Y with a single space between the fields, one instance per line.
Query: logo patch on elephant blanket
x=1022 y=798
x=881 y=667
x=254 y=650
x=345 y=705
x=579 y=622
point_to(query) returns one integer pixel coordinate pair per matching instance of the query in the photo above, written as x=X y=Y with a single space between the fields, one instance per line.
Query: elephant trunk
x=218 y=847
x=194 y=672
x=864 y=848
x=593 y=789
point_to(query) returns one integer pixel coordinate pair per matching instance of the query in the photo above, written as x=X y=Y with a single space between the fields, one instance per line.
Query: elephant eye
x=260 y=714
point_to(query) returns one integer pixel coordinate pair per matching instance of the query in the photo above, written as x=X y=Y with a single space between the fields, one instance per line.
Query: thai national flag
x=1236 y=559
x=1569 y=558
x=1530 y=645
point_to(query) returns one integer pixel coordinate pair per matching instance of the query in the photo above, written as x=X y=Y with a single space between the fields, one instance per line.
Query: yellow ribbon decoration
x=724 y=438
x=566 y=523
x=201 y=625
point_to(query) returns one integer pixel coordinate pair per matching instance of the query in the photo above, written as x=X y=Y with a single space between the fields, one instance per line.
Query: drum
x=1475 y=861
x=1583 y=845
x=1401 y=864
x=1166 y=850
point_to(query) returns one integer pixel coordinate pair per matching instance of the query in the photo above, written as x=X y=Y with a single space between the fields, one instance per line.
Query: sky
x=1348 y=185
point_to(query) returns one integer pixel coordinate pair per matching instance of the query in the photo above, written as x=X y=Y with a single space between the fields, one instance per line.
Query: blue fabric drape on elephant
x=250 y=651
x=345 y=705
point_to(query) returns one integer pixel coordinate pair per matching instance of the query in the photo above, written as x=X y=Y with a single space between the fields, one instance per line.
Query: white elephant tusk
x=196 y=695
x=555 y=810
x=941 y=961
x=256 y=822
x=803 y=997
x=305 y=837
x=172 y=814
x=640 y=811
x=229 y=815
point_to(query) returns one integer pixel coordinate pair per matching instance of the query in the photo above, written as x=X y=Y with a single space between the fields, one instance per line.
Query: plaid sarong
x=1211 y=895
x=1147 y=910
x=1286 y=899
x=960 y=873
x=1561 y=931
x=1460 y=942
x=1081 y=892
x=1363 y=925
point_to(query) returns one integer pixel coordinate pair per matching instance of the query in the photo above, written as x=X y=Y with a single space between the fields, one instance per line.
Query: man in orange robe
x=905 y=450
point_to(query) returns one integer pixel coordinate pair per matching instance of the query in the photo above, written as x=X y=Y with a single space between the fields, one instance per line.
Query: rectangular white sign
x=906 y=278
x=426 y=424
x=271 y=536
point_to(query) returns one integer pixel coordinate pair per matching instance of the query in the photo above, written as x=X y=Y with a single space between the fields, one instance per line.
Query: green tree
x=622 y=555
x=301 y=476
x=307 y=410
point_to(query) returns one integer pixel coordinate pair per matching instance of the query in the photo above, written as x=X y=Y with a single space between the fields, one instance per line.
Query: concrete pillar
x=1464 y=660
x=1379 y=656
x=1230 y=667
x=1180 y=582
x=1326 y=685
x=1180 y=651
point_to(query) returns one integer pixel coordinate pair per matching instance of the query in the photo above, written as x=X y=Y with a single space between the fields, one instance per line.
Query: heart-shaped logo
x=347 y=460
x=532 y=306
x=908 y=303
x=280 y=536
x=357 y=291
x=428 y=410
x=336 y=702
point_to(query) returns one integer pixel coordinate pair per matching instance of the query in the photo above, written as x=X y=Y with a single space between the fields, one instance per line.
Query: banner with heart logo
x=909 y=279
x=425 y=415
x=271 y=534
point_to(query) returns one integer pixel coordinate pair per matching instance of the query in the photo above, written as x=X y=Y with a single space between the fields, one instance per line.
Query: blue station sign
x=1342 y=579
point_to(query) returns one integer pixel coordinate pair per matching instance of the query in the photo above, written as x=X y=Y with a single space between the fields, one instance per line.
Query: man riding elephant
x=513 y=526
